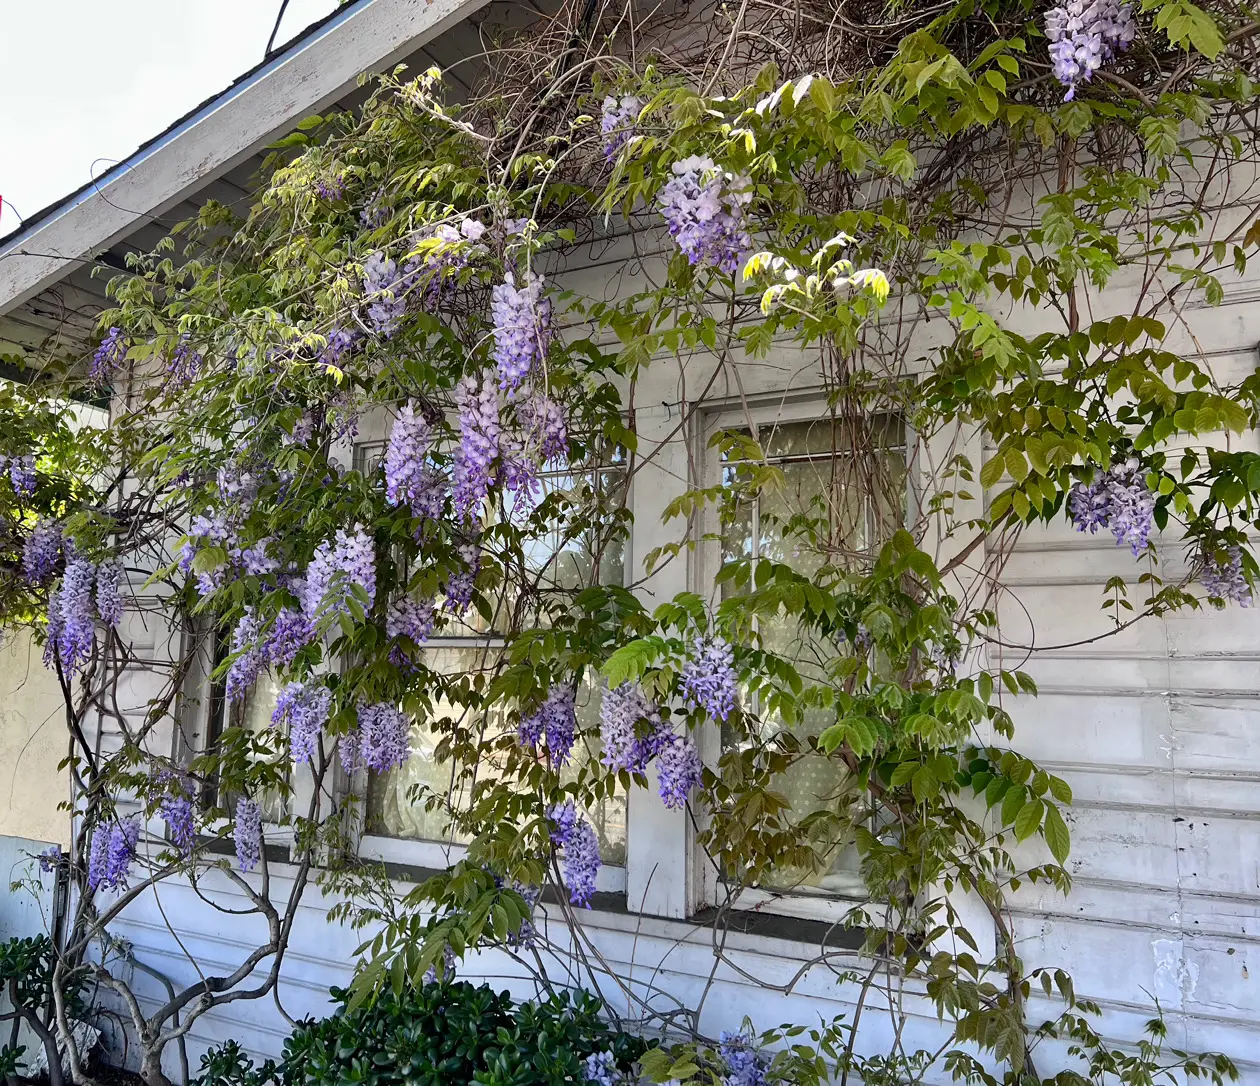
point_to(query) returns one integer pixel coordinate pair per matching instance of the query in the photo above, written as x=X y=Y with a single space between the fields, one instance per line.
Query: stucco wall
x=32 y=742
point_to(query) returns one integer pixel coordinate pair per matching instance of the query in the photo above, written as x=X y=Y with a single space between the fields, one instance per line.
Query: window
x=399 y=825
x=842 y=495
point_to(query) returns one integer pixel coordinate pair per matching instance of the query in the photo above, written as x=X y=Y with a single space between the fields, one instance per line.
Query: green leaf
x=1056 y=834
x=1028 y=819
x=991 y=472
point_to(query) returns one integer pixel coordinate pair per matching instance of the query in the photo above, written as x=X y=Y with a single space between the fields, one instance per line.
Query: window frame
x=758 y=414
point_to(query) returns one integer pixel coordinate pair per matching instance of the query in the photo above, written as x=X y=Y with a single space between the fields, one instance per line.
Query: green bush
x=436 y=1035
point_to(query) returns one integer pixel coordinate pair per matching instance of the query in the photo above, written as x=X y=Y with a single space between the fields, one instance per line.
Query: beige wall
x=32 y=742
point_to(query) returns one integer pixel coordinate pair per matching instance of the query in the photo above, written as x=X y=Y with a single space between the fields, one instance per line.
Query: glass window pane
x=836 y=504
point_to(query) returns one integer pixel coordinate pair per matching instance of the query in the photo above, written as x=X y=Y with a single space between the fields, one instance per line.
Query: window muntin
x=842 y=495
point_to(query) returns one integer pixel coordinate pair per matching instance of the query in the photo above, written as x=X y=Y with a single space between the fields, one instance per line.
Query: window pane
x=252 y=716
x=835 y=506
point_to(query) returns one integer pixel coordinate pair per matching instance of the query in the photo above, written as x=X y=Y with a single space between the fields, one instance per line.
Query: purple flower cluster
x=708 y=679
x=304 y=707
x=71 y=616
x=679 y=768
x=184 y=365
x=246 y=647
x=109 y=356
x=348 y=559
x=1084 y=34
x=289 y=635
x=704 y=210
x=617 y=123
x=409 y=477
x=460 y=584
x=376 y=211
x=620 y=714
x=21 y=472
x=109 y=602
x=49 y=859
x=553 y=723
x=340 y=342
x=577 y=838
x=113 y=849
x=745 y=1065
x=381 y=741
x=1119 y=500
x=177 y=811
x=411 y=618
x=479 y=432
x=1226 y=580
x=545 y=426
x=601 y=1069
x=385 y=291
x=330 y=187
x=448 y=967
x=247 y=834
x=42 y=552
x=522 y=327
x=443 y=262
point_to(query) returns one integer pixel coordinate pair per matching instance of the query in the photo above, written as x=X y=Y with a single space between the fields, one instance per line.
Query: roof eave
x=251 y=114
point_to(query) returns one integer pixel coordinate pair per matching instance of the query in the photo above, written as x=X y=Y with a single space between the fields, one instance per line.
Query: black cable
x=271 y=41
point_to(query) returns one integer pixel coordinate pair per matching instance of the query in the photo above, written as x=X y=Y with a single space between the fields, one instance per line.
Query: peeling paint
x=1175 y=978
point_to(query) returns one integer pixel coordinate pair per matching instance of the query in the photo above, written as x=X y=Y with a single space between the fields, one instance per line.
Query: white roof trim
x=314 y=71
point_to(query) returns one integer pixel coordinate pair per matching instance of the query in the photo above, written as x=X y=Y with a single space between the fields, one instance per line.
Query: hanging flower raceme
x=383 y=737
x=409 y=477
x=601 y=1069
x=243 y=671
x=1226 y=580
x=112 y=852
x=575 y=836
x=454 y=250
x=411 y=618
x=72 y=616
x=42 y=552
x=21 y=472
x=704 y=210
x=546 y=430
x=745 y=1065
x=479 y=433
x=460 y=584
x=109 y=356
x=448 y=967
x=304 y=707
x=338 y=565
x=617 y=123
x=247 y=834
x=554 y=723
x=385 y=293
x=184 y=365
x=109 y=602
x=621 y=714
x=679 y=768
x=708 y=679
x=522 y=327
x=177 y=811
x=288 y=635
x=1119 y=500
x=1085 y=34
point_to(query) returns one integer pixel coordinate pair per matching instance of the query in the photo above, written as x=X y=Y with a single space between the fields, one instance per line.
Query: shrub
x=436 y=1035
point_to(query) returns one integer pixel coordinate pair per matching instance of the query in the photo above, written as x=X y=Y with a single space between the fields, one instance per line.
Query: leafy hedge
x=436 y=1035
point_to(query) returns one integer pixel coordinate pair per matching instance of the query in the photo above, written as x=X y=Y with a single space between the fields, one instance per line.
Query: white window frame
x=758 y=413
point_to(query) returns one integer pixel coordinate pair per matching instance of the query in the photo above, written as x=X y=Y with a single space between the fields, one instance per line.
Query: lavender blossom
x=1132 y=507
x=376 y=211
x=704 y=210
x=177 y=810
x=383 y=736
x=109 y=356
x=49 y=859
x=350 y=753
x=42 y=552
x=554 y=722
x=618 y=122
x=1226 y=580
x=408 y=475
x=382 y=288
x=442 y=263
x=478 y=443
x=619 y=716
x=247 y=834
x=575 y=836
x=184 y=365
x=1083 y=35
x=75 y=624
x=21 y=472
x=109 y=602
x=113 y=849
x=448 y=967
x=243 y=672
x=745 y=1066
x=304 y=707
x=545 y=427
x=289 y=635
x=330 y=187
x=679 y=768
x=340 y=563
x=709 y=679
x=340 y=342
x=522 y=327
x=460 y=584
x=1090 y=505
x=601 y=1069
x=407 y=617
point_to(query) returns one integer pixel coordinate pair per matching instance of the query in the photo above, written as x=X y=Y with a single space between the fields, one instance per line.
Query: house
x=1155 y=728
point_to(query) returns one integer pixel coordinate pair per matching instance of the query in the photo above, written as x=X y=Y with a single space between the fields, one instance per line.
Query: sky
x=84 y=82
